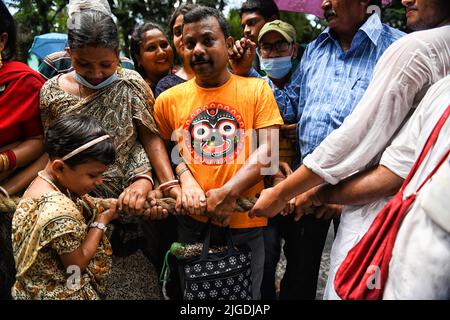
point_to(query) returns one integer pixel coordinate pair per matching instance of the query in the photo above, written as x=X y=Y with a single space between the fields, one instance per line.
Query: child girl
x=58 y=232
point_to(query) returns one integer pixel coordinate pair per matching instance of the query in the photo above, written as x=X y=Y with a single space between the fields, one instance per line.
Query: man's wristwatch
x=98 y=225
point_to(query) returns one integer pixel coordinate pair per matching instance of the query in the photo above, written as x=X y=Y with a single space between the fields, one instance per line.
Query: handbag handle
x=207 y=241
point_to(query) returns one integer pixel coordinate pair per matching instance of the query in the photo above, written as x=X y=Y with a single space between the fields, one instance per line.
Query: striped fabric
x=329 y=83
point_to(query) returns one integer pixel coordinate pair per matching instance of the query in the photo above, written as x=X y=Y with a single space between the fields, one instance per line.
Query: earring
x=1 y=63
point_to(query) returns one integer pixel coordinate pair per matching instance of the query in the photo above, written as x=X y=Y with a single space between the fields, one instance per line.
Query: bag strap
x=428 y=145
x=207 y=240
x=444 y=158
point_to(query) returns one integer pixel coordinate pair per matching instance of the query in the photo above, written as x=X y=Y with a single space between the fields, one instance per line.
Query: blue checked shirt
x=329 y=82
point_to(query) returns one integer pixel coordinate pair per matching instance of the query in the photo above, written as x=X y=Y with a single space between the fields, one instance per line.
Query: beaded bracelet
x=179 y=173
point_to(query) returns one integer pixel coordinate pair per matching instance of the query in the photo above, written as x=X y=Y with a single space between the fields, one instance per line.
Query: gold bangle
x=3 y=159
x=6 y=161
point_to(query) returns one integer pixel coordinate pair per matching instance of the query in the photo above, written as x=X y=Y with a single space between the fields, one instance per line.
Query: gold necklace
x=50 y=182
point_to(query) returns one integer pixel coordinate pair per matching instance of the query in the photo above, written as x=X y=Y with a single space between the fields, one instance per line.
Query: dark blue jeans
x=272 y=248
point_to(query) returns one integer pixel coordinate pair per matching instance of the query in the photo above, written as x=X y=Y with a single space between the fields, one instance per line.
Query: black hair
x=266 y=8
x=136 y=40
x=180 y=11
x=201 y=13
x=7 y=25
x=71 y=132
x=92 y=28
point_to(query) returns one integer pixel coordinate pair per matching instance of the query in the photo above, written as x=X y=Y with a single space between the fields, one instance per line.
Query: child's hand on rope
x=110 y=214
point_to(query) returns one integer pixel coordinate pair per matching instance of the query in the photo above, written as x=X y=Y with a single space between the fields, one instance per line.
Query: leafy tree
x=308 y=27
x=212 y=3
x=130 y=13
x=37 y=17
x=394 y=15
x=234 y=20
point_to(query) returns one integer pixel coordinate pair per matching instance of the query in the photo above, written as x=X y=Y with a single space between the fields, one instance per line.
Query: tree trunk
x=43 y=8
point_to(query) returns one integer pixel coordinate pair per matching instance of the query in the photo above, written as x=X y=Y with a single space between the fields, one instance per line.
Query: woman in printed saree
x=123 y=104
x=118 y=98
x=20 y=136
x=60 y=249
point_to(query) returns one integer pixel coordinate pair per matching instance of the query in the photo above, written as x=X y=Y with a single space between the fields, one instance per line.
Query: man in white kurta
x=420 y=264
x=401 y=78
x=421 y=256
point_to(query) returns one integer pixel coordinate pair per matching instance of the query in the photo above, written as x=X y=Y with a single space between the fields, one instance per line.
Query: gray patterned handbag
x=222 y=275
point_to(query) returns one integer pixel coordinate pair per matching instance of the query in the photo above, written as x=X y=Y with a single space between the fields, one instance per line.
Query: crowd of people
x=341 y=130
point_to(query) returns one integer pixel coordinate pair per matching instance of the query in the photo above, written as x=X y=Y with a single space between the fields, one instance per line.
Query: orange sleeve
x=267 y=112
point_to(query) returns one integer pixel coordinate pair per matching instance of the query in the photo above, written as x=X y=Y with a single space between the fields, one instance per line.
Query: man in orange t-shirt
x=216 y=118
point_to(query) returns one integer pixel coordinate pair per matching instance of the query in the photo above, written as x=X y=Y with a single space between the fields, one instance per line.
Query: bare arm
x=155 y=148
x=193 y=196
x=26 y=151
x=273 y=200
x=20 y=181
x=221 y=201
x=300 y=181
x=362 y=188
x=132 y=200
x=82 y=256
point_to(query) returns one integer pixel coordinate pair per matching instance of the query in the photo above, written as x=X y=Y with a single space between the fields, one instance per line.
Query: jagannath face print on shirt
x=216 y=133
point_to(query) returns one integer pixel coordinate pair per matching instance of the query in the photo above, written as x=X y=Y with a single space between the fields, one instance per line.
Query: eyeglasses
x=280 y=46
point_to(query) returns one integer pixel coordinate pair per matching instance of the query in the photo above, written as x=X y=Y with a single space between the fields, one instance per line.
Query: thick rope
x=242 y=204
x=8 y=205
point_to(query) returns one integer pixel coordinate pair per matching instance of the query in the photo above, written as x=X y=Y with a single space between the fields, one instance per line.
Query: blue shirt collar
x=372 y=28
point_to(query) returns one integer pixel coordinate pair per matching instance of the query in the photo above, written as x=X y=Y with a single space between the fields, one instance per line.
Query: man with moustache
x=334 y=73
x=401 y=79
x=213 y=117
